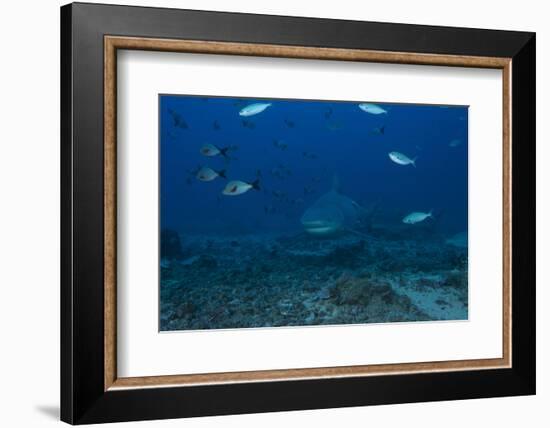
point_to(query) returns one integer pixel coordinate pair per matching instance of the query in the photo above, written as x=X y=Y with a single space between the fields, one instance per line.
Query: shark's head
x=323 y=220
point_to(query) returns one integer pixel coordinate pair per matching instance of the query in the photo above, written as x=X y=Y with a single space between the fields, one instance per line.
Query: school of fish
x=332 y=211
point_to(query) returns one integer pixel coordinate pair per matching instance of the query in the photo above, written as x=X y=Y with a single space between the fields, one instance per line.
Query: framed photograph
x=266 y=213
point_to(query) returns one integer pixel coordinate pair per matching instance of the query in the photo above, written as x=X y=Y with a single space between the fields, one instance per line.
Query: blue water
x=296 y=148
x=354 y=152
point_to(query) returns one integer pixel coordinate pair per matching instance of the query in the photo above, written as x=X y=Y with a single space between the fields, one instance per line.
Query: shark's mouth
x=320 y=227
x=322 y=220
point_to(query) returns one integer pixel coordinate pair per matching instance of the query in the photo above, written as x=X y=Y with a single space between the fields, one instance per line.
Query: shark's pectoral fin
x=356 y=232
x=356 y=205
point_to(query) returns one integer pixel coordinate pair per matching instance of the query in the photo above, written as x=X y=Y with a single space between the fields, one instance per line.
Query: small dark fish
x=280 y=145
x=309 y=190
x=290 y=123
x=281 y=172
x=328 y=113
x=333 y=125
x=296 y=201
x=216 y=125
x=248 y=124
x=279 y=194
x=189 y=181
x=308 y=155
x=379 y=130
x=277 y=173
x=269 y=209
x=177 y=120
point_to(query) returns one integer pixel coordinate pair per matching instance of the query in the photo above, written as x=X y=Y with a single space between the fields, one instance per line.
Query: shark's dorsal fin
x=335 y=183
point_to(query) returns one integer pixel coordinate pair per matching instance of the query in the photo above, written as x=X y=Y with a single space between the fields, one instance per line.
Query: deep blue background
x=354 y=152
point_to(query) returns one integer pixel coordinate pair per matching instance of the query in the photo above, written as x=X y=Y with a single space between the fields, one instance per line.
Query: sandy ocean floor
x=262 y=281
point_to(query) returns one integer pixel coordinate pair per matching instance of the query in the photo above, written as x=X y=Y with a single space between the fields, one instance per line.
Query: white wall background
x=29 y=214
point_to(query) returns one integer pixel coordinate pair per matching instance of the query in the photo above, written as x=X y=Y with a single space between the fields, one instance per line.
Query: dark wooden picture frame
x=90 y=389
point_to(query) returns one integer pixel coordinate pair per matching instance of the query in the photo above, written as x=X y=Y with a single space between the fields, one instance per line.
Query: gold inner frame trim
x=113 y=43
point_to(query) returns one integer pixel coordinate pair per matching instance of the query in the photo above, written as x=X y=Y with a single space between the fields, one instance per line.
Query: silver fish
x=237 y=187
x=252 y=109
x=455 y=143
x=372 y=108
x=416 y=217
x=208 y=174
x=211 y=150
x=401 y=159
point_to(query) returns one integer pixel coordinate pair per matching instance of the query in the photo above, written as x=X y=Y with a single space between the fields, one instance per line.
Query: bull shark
x=332 y=213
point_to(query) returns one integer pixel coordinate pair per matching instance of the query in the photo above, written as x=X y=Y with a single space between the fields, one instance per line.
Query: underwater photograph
x=292 y=212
